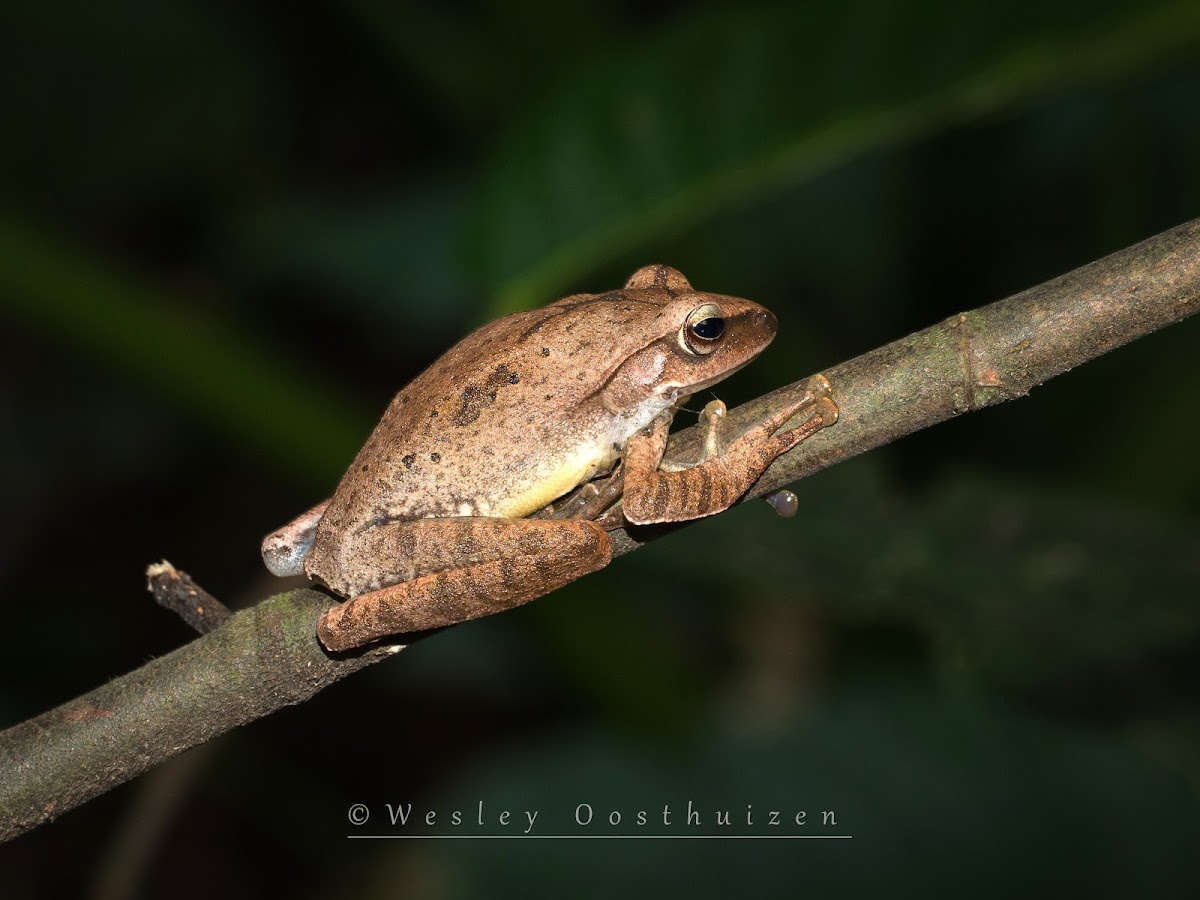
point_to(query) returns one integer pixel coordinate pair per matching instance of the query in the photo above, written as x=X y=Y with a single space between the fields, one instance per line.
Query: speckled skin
x=426 y=526
x=528 y=407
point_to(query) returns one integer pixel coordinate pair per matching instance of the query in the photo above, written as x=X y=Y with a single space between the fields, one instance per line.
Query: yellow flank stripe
x=569 y=475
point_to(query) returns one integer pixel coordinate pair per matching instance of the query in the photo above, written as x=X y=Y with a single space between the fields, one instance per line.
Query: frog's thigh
x=486 y=566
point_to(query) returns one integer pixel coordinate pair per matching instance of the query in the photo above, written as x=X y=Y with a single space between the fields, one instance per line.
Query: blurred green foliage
x=229 y=232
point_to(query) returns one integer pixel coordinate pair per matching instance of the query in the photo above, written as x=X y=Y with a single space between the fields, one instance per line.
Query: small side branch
x=176 y=591
x=268 y=657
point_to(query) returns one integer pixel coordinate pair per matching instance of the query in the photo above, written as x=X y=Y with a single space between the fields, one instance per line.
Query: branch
x=268 y=657
x=980 y=358
x=176 y=591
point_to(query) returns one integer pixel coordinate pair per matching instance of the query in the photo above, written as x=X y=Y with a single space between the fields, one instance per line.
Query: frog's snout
x=762 y=322
x=766 y=320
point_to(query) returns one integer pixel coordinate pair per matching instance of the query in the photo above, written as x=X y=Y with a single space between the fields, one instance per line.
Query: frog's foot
x=718 y=481
x=711 y=418
x=487 y=566
x=815 y=398
x=762 y=441
x=592 y=501
x=284 y=549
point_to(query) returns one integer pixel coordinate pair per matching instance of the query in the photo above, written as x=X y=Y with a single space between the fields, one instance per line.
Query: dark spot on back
x=473 y=400
x=435 y=457
x=475 y=397
x=408 y=459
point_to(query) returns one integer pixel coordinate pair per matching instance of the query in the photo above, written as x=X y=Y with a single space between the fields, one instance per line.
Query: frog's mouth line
x=692 y=388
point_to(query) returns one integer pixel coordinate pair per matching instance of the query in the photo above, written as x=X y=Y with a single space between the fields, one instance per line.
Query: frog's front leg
x=460 y=569
x=653 y=495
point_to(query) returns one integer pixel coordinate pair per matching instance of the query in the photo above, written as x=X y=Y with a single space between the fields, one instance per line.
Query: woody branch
x=267 y=657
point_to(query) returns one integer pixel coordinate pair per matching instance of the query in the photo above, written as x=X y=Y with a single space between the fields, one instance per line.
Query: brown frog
x=429 y=525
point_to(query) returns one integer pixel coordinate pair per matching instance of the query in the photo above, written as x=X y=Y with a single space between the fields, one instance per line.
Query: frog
x=444 y=514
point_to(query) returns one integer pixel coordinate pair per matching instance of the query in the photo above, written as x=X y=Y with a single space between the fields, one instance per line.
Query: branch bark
x=268 y=657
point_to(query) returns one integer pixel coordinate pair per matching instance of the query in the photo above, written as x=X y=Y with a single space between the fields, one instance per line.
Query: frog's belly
x=582 y=464
x=520 y=481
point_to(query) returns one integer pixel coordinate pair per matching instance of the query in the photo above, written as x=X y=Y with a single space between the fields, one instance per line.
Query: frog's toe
x=282 y=556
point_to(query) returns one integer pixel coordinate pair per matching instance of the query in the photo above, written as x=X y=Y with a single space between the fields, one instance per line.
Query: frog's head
x=683 y=341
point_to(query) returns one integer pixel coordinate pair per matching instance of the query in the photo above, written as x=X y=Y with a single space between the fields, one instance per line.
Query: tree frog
x=431 y=524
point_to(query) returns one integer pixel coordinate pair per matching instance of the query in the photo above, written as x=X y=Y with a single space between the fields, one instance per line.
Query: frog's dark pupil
x=709 y=329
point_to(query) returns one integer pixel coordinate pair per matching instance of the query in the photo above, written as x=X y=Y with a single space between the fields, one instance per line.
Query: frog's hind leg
x=480 y=566
x=653 y=494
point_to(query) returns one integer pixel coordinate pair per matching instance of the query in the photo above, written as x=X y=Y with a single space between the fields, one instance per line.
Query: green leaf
x=271 y=404
x=386 y=258
x=644 y=141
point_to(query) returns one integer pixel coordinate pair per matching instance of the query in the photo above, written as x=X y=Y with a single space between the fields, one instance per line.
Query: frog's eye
x=703 y=330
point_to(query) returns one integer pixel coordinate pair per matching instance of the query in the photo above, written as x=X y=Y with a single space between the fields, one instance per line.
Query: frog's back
x=504 y=422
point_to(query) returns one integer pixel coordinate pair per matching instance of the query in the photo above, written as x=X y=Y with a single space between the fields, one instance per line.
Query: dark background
x=230 y=231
